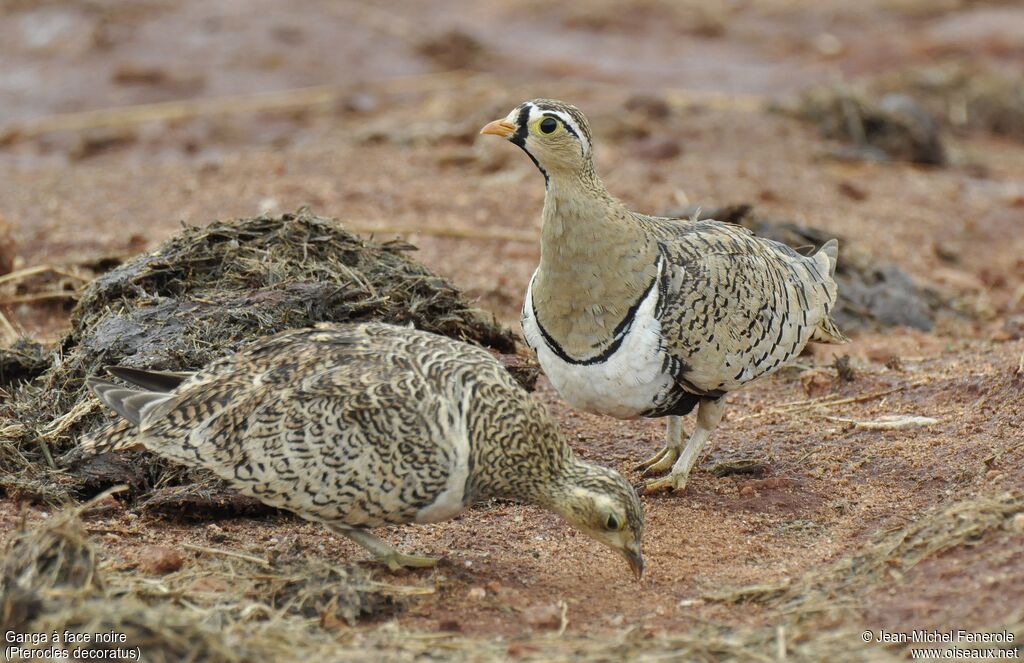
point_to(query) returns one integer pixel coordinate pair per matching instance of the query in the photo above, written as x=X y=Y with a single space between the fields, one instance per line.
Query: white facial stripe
x=537 y=113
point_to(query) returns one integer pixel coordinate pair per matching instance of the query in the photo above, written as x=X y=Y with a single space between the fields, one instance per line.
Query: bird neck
x=573 y=487
x=533 y=458
x=595 y=262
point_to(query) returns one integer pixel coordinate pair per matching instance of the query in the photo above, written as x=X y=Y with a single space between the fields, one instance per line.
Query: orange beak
x=499 y=128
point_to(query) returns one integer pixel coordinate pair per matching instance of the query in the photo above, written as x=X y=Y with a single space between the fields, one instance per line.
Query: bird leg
x=709 y=413
x=664 y=459
x=384 y=551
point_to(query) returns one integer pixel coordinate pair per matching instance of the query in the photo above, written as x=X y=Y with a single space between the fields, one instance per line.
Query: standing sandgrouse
x=639 y=316
x=358 y=426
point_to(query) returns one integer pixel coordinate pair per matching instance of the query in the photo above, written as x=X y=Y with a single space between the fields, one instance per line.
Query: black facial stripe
x=535 y=162
x=519 y=138
x=522 y=128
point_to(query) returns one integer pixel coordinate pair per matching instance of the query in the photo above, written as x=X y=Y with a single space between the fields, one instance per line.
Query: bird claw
x=397 y=561
x=659 y=462
x=671 y=483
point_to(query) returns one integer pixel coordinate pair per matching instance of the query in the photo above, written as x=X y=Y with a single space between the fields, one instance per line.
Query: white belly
x=450 y=501
x=624 y=385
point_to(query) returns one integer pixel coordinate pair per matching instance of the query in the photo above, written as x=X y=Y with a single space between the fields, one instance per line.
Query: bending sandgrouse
x=639 y=316
x=358 y=426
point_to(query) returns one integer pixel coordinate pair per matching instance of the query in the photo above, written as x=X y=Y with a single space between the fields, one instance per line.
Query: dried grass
x=297 y=609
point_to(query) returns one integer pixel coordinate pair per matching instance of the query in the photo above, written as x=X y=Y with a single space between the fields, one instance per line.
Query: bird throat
x=595 y=265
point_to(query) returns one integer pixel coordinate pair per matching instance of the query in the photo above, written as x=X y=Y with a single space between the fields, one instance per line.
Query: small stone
x=658 y=149
x=852 y=191
x=828 y=45
x=844 y=369
x=209 y=585
x=747 y=490
x=817 y=382
x=1013 y=329
x=476 y=594
x=159 y=560
x=544 y=616
x=1018 y=523
x=650 y=105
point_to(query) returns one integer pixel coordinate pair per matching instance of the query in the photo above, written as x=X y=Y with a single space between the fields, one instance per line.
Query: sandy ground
x=396 y=148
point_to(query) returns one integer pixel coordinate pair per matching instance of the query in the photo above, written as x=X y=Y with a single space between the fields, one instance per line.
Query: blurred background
x=896 y=123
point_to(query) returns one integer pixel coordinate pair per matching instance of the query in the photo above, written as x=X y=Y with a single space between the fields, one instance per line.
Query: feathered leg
x=384 y=551
x=709 y=413
x=666 y=458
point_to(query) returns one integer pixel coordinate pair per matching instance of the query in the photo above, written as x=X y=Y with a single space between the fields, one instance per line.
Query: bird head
x=554 y=134
x=601 y=503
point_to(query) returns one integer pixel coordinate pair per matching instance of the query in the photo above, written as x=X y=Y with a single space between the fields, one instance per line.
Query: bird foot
x=670 y=483
x=397 y=560
x=659 y=462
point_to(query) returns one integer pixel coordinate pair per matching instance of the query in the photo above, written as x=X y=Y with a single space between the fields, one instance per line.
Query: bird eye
x=548 y=124
x=612 y=523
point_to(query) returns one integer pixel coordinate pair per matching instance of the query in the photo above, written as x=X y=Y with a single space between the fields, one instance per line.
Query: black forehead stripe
x=519 y=138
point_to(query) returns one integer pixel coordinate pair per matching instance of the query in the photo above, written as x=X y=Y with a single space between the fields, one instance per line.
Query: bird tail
x=829 y=250
x=161 y=381
x=828 y=332
x=127 y=402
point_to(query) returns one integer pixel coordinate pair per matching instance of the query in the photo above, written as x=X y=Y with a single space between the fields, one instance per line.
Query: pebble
x=159 y=560
x=817 y=381
x=544 y=616
x=657 y=149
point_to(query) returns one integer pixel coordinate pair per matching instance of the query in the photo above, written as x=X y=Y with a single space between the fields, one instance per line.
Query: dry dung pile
x=872 y=295
x=22 y=361
x=964 y=96
x=201 y=295
x=882 y=128
x=901 y=115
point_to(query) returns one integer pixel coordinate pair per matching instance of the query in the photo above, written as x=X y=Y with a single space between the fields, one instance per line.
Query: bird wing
x=736 y=306
x=341 y=432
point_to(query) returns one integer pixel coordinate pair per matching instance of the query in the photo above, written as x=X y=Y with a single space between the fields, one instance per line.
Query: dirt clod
x=159 y=560
x=548 y=616
x=202 y=499
x=817 y=382
x=454 y=49
x=24 y=360
x=844 y=368
x=657 y=149
x=893 y=126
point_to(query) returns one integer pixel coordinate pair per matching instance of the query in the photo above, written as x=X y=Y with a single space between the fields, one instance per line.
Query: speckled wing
x=736 y=306
x=339 y=431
